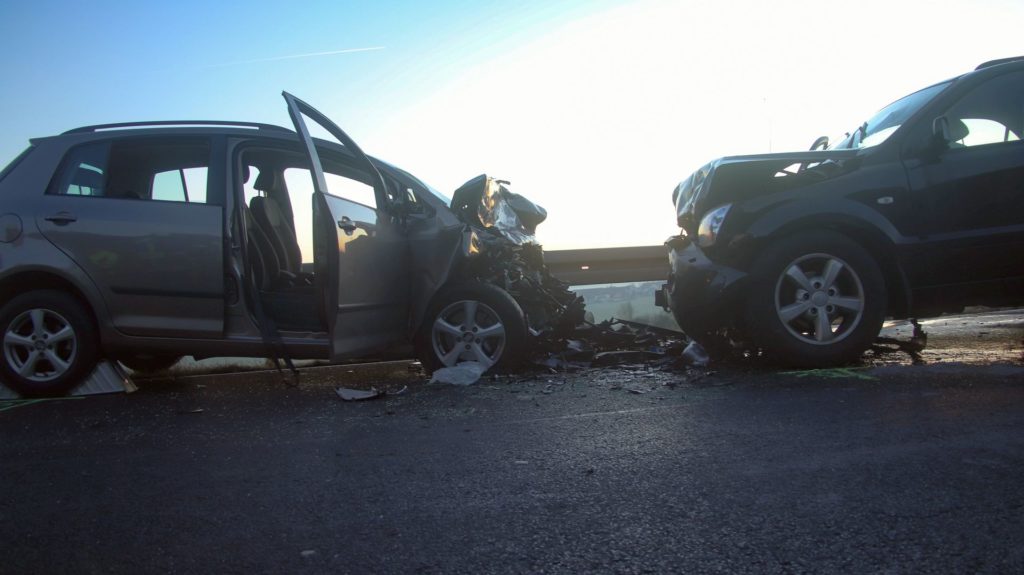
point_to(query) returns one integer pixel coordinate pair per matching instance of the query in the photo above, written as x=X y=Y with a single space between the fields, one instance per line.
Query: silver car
x=145 y=242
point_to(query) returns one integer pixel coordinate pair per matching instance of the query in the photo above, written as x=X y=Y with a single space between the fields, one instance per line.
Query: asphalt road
x=889 y=467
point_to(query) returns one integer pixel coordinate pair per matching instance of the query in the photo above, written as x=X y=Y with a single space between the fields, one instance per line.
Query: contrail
x=294 y=56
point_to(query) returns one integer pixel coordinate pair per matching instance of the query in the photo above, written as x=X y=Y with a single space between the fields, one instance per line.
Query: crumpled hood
x=737 y=177
x=487 y=203
x=500 y=247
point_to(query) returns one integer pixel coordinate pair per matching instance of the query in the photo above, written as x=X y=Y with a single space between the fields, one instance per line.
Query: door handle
x=61 y=218
x=347 y=224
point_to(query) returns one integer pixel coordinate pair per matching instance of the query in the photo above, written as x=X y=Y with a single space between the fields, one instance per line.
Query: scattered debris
x=349 y=394
x=833 y=373
x=618 y=342
x=912 y=347
x=465 y=373
x=696 y=355
x=8 y=404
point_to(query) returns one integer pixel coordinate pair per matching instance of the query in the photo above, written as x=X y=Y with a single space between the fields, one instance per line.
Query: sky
x=594 y=109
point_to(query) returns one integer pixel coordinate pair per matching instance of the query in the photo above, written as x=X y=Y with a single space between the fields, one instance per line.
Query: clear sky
x=594 y=109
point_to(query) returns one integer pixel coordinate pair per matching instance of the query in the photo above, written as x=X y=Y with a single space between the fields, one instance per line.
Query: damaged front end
x=500 y=248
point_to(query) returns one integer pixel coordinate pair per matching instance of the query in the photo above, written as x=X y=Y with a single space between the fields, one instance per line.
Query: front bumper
x=701 y=294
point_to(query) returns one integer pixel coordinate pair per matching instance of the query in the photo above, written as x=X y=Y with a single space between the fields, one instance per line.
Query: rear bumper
x=701 y=294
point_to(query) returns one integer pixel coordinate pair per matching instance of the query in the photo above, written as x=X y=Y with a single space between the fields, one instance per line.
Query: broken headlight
x=710 y=224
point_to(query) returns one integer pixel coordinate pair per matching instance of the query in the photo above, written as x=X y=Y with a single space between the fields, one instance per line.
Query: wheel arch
x=877 y=238
x=32 y=280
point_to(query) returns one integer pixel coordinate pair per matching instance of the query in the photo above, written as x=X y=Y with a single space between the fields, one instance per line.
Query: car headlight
x=707 y=233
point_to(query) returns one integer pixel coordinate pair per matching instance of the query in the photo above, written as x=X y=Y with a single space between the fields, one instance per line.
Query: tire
x=816 y=299
x=49 y=343
x=496 y=334
x=149 y=363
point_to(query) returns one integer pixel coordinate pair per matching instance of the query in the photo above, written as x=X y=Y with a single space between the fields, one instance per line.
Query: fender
x=862 y=224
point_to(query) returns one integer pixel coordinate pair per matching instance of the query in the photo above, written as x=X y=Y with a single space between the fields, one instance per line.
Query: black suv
x=918 y=211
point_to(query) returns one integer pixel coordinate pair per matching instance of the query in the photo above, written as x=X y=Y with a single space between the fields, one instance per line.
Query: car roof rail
x=991 y=63
x=183 y=123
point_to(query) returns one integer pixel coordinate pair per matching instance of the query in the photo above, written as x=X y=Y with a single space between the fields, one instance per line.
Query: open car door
x=360 y=252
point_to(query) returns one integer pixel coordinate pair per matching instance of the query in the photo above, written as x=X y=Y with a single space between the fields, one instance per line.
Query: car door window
x=180 y=185
x=299 y=182
x=991 y=114
x=343 y=187
x=170 y=170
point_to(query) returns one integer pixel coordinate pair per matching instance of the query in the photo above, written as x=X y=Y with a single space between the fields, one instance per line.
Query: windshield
x=880 y=126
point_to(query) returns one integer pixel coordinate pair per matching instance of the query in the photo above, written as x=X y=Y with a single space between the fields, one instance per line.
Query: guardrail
x=609 y=265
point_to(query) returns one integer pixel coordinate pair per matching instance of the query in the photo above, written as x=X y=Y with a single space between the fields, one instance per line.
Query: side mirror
x=939 y=142
x=821 y=142
x=940 y=130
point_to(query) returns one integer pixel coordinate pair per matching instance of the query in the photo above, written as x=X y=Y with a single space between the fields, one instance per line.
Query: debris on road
x=8 y=404
x=465 y=373
x=349 y=394
x=912 y=347
x=696 y=355
x=833 y=373
x=617 y=342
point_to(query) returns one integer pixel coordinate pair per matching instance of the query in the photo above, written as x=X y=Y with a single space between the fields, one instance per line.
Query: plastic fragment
x=465 y=373
x=696 y=355
x=348 y=394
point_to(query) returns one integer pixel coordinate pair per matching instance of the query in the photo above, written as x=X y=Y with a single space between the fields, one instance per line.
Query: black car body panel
x=932 y=191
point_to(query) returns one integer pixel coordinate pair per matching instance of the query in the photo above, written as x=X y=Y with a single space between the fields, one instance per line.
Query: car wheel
x=149 y=363
x=49 y=343
x=815 y=299
x=472 y=322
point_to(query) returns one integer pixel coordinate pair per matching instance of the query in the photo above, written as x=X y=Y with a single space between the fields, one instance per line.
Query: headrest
x=266 y=181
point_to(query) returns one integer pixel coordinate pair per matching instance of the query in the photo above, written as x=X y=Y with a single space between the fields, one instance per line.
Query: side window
x=992 y=113
x=169 y=170
x=338 y=185
x=180 y=185
x=84 y=172
x=299 y=182
x=981 y=131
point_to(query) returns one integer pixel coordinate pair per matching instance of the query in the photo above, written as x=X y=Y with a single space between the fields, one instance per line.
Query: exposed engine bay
x=502 y=249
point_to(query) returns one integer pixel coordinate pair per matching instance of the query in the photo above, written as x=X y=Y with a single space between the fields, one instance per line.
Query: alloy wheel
x=468 y=330
x=40 y=345
x=819 y=298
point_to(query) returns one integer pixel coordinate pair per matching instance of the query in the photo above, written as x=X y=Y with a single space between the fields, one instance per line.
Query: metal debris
x=620 y=343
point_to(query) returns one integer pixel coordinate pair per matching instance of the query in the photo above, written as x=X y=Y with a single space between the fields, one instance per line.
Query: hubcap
x=40 y=345
x=468 y=330
x=819 y=298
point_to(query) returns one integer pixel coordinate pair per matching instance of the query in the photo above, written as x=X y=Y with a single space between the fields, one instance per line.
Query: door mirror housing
x=939 y=140
x=940 y=130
